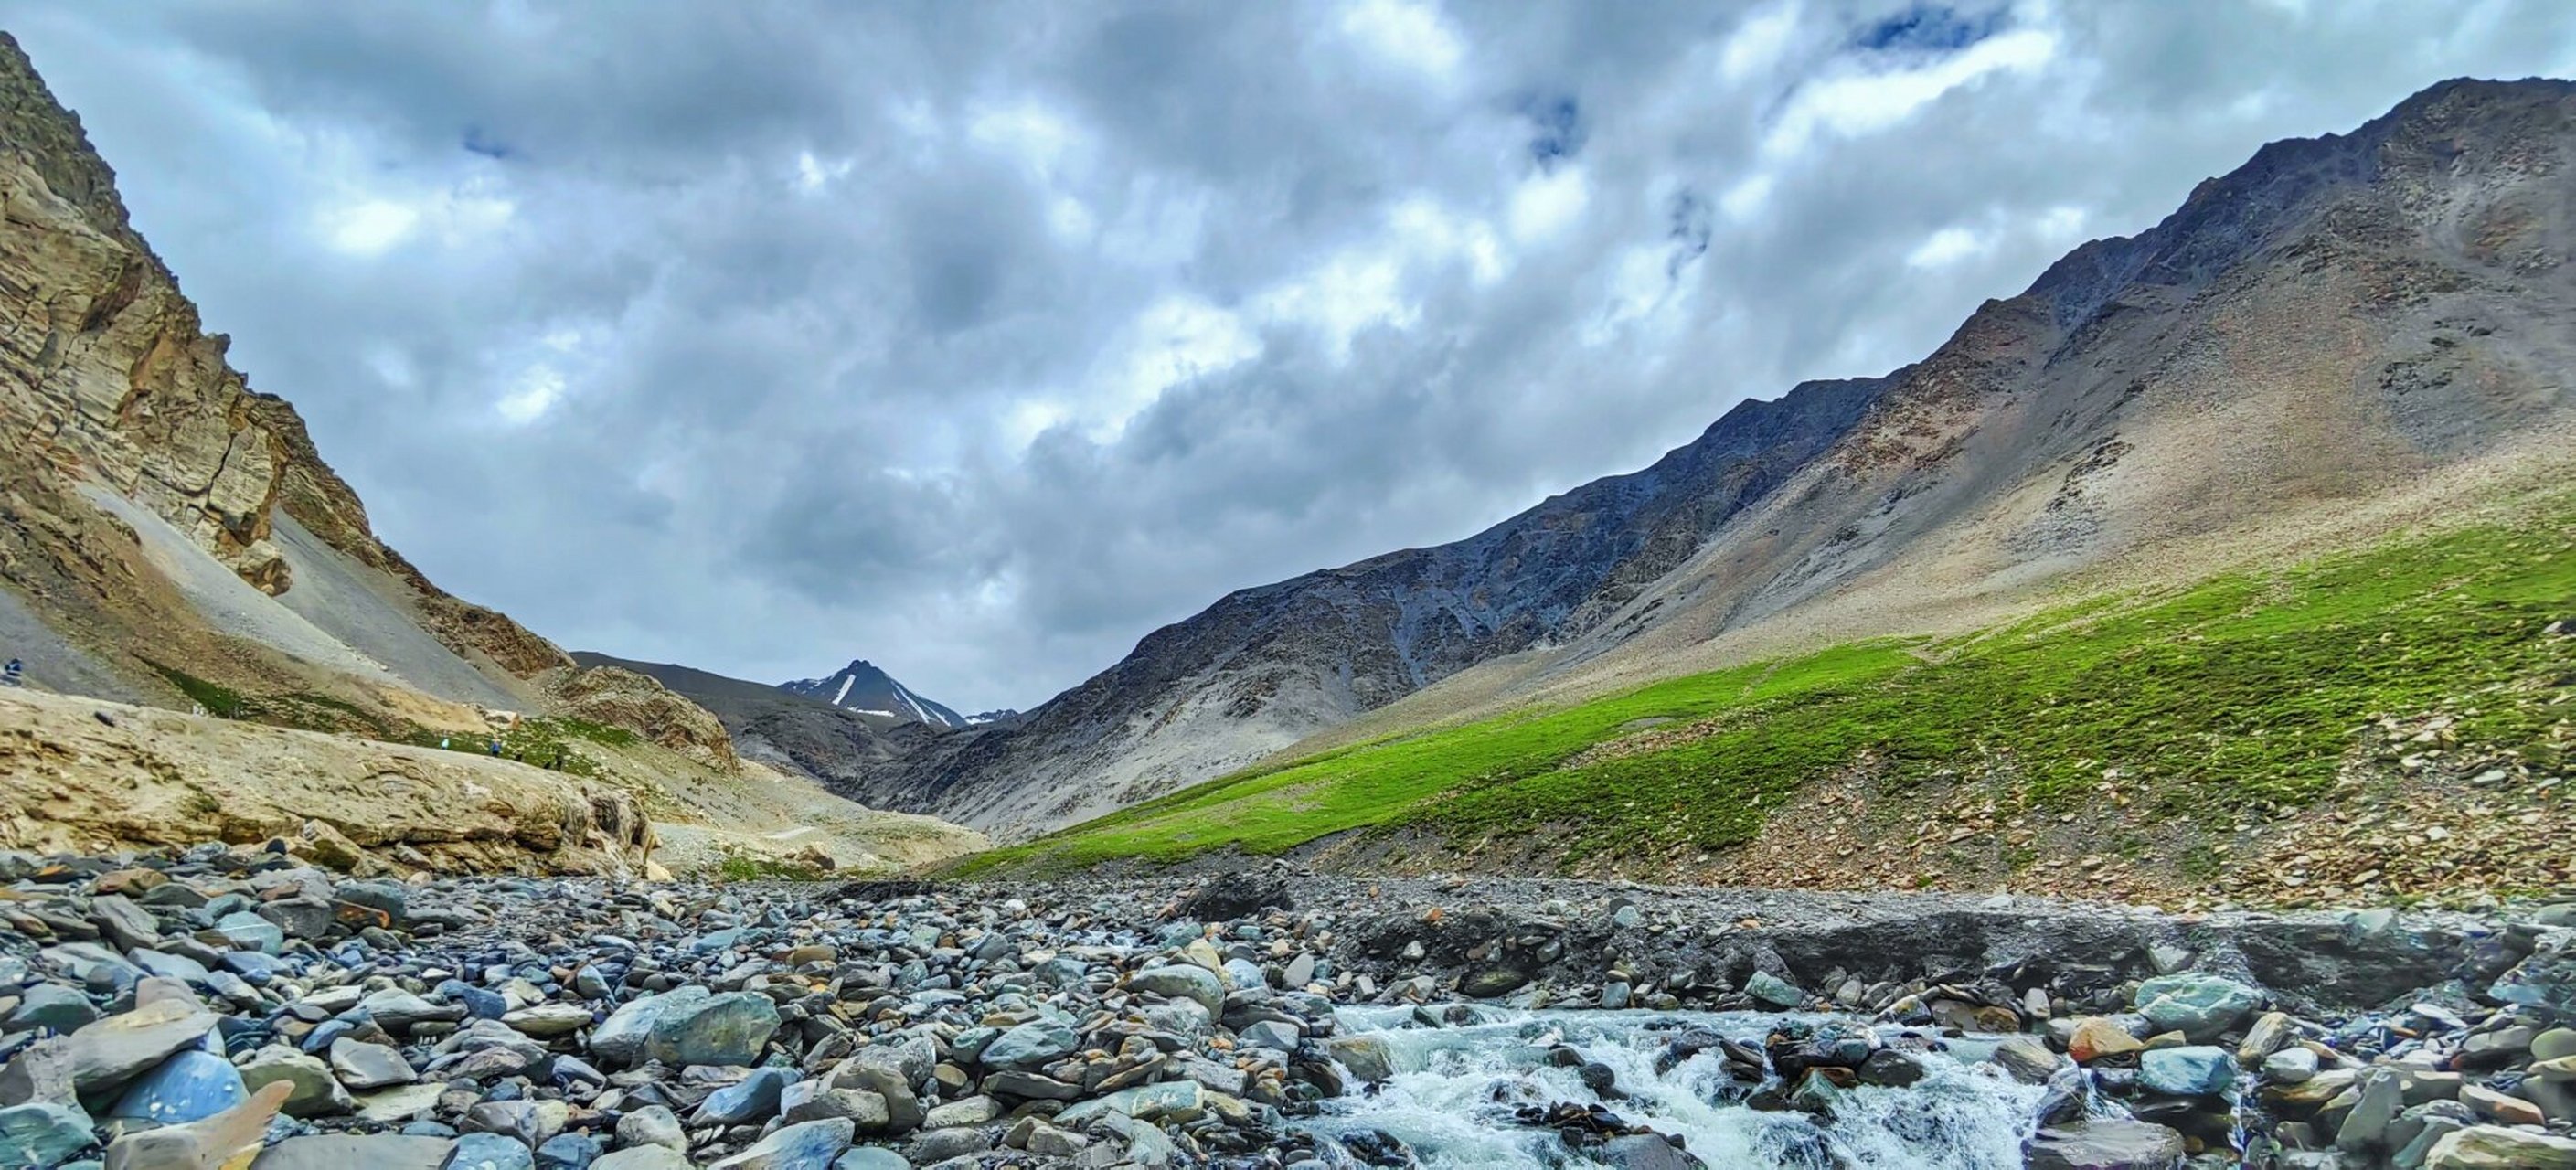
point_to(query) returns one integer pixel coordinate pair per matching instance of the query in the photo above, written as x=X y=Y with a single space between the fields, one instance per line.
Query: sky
x=980 y=339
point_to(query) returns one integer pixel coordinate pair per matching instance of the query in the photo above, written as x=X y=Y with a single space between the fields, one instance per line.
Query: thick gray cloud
x=981 y=339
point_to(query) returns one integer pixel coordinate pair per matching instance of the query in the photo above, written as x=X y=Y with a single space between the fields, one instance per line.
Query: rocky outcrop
x=109 y=379
x=92 y=776
x=623 y=698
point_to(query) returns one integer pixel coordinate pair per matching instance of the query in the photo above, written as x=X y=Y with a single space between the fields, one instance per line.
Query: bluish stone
x=728 y=1029
x=51 y=1005
x=2197 y=1070
x=481 y=1003
x=490 y=1151
x=1772 y=991
x=179 y=967
x=568 y=1151
x=809 y=1146
x=246 y=931
x=754 y=1098
x=255 y=968
x=320 y=1038
x=190 y=1086
x=1031 y=1044
x=41 y=1134
x=871 y=1158
x=2198 y=1006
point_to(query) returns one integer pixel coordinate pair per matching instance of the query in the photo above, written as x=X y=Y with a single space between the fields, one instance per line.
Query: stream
x=1478 y=1094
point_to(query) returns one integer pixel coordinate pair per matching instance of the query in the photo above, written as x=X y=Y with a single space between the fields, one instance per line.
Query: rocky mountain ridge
x=865 y=688
x=2327 y=323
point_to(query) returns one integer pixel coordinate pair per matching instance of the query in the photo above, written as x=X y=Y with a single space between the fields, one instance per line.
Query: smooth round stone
x=491 y=1151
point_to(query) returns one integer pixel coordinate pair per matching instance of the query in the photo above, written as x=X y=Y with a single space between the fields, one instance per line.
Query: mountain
x=2331 y=323
x=784 y=729
x=863 y=688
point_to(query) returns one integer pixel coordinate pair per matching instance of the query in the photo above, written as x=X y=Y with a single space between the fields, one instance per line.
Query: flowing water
x=1456 y=1090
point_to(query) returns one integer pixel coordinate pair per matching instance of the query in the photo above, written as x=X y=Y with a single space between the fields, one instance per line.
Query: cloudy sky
x=979 y=339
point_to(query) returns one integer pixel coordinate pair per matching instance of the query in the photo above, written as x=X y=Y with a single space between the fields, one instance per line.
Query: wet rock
x=2105 y=1144
x=2100 y=1038
x=1773 y=992
x=2027 y=1059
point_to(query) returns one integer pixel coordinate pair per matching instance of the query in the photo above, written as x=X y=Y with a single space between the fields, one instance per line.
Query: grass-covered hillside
x=2238 y=700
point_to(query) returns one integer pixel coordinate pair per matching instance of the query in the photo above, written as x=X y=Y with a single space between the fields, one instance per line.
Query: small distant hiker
x=496 y=749
x=14 y=674
x=558 y=764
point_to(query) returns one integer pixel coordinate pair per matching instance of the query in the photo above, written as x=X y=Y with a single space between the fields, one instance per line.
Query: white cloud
x=1744 y=198
x=1173 y=341
x=813 y=174
x=369 y=227
x=1547 y=202
x=1759 y=42
x=1853 y=104
x=535 y=393
x=1945 y=247
x=1406 y=33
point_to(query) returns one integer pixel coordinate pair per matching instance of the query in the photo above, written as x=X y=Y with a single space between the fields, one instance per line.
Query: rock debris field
x=226 y=1006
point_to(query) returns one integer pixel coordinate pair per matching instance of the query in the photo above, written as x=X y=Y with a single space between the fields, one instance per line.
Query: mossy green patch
x=2240 y=695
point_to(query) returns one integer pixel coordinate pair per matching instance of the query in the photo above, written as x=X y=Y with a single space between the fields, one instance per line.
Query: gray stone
x=491 y=1151
x=105 y=1054
x=2200 y=1006
x=2027 y=1059
x=2105 y=1144
x=1032 y=1044
x=1773 y=992
x=729 y=1029
x=652 y=1125
x=361 y=1065
x=2492 y=1147
x=2366 y=1126
x=812 y=1145
x=1183 y=981
x=50 y=1005
x=316 y=1093
x=356 y=1152
x=642 y=1158
x=620 y=1039
x=753 y=1098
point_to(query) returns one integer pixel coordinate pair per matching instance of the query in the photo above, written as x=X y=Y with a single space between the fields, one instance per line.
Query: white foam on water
x=1455 y=1090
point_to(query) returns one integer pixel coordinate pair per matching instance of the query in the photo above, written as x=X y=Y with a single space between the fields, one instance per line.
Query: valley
x=2136 y=735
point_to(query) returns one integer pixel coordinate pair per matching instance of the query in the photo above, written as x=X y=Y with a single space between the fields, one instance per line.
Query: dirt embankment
x=91 y=776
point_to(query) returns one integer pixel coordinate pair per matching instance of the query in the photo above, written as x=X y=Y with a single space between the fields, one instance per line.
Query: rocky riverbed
x=224 y=1007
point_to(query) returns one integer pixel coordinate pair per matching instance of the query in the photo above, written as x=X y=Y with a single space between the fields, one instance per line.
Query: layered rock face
x=2327 y=324
x=108 y=378
x=135 y=451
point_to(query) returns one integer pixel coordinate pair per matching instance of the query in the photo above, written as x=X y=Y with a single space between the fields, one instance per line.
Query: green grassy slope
x=2238 y=697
